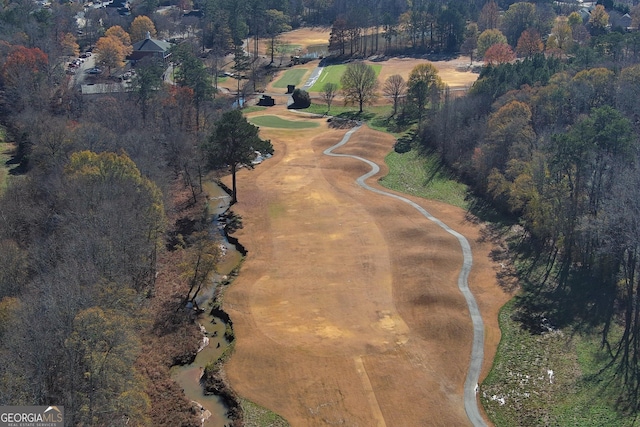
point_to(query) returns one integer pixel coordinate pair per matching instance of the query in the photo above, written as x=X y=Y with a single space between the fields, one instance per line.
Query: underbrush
x=555 y=378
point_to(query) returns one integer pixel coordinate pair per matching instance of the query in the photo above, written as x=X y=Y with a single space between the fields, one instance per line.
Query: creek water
x=214 y=411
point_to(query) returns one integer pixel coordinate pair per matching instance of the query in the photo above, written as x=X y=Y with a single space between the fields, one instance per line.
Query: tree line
x=103 y=233
x=554 y=144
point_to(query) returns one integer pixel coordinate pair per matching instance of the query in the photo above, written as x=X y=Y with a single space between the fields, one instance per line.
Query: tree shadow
x=356 y=115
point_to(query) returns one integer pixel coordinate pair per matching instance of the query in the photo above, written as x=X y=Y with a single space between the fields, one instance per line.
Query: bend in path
x=477 y=349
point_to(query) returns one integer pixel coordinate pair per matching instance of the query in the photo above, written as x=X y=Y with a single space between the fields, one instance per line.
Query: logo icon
x=32 y=416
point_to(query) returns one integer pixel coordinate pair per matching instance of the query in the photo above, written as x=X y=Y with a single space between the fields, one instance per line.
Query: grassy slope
x=519 y=392
x=424 y=177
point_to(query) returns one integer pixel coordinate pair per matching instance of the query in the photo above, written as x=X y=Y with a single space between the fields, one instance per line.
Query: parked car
x=85 y=55
x=94 y=70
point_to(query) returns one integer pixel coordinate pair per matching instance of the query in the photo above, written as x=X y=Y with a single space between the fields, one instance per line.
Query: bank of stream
x=214 y=323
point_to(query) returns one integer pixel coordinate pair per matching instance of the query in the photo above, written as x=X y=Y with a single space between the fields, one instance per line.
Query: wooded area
x=105 y=202
x=555 y=146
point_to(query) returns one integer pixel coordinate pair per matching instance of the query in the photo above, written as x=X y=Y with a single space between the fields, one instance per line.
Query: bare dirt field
x=304 y=37
x=453 y=72
x=347 y=309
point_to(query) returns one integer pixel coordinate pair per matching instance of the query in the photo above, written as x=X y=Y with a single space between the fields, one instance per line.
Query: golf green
x=277 y=122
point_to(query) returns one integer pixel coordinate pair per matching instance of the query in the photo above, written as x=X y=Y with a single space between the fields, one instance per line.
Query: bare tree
x=328 y=93
x=395 y=88
x=359 y=84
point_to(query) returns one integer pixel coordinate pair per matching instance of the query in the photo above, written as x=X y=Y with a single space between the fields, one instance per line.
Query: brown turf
x=347 y=309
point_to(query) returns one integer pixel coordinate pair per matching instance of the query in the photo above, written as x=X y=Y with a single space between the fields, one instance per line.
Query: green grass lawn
x=277 y=122
x=332 y=74
x=257 y=416
x=290 y=77
x=286 y=47
x=253 y=109
x=425 y=177
x=520 y=375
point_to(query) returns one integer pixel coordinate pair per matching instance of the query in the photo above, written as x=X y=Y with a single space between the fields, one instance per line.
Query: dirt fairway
x=347 y=310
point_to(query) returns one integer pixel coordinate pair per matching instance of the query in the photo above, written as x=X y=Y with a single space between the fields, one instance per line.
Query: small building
x=266 y=101
x=149 y=47
x=618 y=20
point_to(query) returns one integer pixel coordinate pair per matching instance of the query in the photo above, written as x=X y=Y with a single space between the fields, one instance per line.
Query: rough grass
x=290 y=77
x=253 y=109
x=519 y=392
x=332 y=74
x=423 y=176
x=257 y=416
x=277 y=122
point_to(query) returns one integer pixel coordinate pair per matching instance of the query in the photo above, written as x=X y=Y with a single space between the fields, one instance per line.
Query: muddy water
x=188 y=376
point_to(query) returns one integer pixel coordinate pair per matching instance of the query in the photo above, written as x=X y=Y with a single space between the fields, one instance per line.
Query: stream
x=214 y=411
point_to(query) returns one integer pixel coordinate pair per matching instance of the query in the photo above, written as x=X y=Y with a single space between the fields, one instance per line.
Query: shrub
x=301 y=99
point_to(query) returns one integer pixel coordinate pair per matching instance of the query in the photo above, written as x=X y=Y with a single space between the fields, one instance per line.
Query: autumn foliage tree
x=488 y=38
x=111 y=52
x=24 y=73
x=529 y=44
x=118 y=32
x=140 y=27
x=499 y=54
x=69 y=44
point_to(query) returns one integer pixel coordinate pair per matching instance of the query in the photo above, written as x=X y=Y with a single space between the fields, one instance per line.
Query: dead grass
x=348 y=300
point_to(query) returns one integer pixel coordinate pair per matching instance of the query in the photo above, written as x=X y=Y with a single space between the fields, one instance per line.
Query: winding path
x=477 y=349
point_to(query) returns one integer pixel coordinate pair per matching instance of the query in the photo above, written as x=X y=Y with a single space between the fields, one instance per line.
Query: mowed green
x=277 y=122
x=332 y=74
x=290 y=77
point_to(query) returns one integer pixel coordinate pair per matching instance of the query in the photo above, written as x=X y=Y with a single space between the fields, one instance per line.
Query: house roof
x=616 y=19
x=151 y=45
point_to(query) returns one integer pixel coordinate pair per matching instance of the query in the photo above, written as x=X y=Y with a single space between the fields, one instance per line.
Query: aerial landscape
x=320 y=212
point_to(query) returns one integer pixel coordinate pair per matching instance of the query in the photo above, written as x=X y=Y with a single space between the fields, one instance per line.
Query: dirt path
x=347 y=310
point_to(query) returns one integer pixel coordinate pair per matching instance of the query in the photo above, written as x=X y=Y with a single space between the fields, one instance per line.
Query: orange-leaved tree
x=111 y=53
x=118 y=32
x=499 y=54
x=140 y=27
